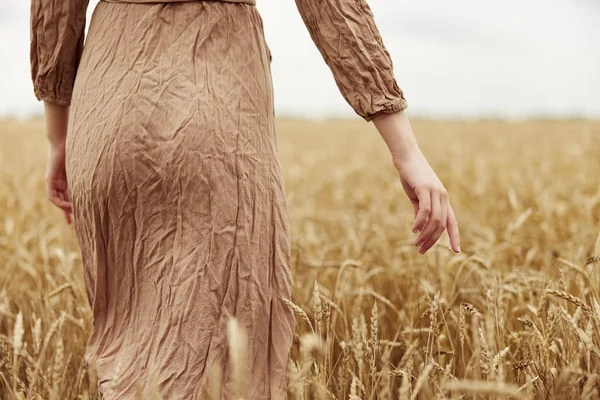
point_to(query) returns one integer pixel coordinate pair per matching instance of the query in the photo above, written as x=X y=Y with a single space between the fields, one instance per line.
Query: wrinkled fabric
x=178 y=198
x=57 y=36
x=175 y=180
x=344 y=31
x=252 y=2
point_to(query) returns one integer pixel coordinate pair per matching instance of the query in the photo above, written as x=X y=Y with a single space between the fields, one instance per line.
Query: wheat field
x=516 y=315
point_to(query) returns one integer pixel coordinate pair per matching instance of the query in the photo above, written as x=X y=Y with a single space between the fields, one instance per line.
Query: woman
x=171 y=171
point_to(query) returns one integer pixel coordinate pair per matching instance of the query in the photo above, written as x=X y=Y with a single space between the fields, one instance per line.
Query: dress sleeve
x=57 y=35
x=345 y=33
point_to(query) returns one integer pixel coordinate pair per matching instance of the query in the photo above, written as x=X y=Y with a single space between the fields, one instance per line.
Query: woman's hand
x=56 y=181
x=433 y=212
x=56 y=175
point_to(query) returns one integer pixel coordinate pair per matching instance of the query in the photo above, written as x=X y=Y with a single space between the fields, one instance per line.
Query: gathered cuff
x=390 y=108
x=61 y=100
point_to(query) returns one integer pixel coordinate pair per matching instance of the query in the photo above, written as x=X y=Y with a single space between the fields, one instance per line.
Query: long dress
x=177 y=189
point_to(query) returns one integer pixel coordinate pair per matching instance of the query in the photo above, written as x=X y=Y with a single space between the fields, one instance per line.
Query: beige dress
x=174 y=175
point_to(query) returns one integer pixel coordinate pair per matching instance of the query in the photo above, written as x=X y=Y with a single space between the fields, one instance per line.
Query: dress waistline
x=251 y=2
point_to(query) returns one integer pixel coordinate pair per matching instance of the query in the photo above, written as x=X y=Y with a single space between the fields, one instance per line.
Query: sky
x=453 y=59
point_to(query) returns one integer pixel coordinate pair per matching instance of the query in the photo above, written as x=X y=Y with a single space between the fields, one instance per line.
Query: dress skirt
x=178 y=199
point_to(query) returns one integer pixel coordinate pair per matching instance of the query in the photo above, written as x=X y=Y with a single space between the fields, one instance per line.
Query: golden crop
x=517 y=315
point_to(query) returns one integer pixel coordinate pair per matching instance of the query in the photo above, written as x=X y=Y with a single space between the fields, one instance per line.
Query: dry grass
x=517 y=315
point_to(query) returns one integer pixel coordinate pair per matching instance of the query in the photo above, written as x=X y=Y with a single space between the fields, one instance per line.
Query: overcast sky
x=460 y=58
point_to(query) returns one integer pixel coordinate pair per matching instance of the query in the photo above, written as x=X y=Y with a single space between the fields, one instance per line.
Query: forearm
x=396 y=131
x=57 y=118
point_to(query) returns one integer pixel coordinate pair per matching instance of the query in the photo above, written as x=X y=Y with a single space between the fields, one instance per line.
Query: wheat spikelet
x=485 y=354
x=373 y=343
x=5 y=364
x=534 y=328
x=354 y=389
x=474 y=365
x=470 y=309
x=575 y=268
x=155 y=392
x=570 y=298
x=583 y=337
x=432 y=339
x=577 y=316
x=384 y=383
x=498 y=358
x=551 y=327
x=311 y=347
x=345 y=368
x=596 y=249
x=501 y=314
x=139 y=395
x=326 y=308
x=484 y=387
x=237 y=341
x=437 y=367
x=592 y=260
x=421 y=381
x=544 y=305
x=359 y=341
x=590 y=389
x=562 y=280
x=4 y=304
x=294 y=382
x=596 y=307
x=18 y=333
x=317 y=306
x=81 y=372
x=462 y=326
x=404 y=390
x=56 y=325
x=215 y=380
x=58 y=367
x=298 y=311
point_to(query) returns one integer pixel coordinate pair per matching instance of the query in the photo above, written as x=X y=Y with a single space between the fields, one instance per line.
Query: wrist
x=57 y=118
x=402 y=158
x=57 y=145
x=398 y=135
x=405 y=149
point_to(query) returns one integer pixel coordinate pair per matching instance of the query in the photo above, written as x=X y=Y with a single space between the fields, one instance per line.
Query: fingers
x=453 y=230
x=440 y=218
x=424 y=210
x=432 y=239
x=440 y=226
x=60 y=199
x=433 y=222
x=64 y=196
x=68 y=217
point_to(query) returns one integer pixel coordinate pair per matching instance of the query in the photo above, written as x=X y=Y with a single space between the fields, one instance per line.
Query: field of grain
x=516 y=315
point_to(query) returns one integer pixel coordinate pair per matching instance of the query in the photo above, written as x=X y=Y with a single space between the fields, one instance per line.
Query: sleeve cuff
x=61 y=100
x=390 y=108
